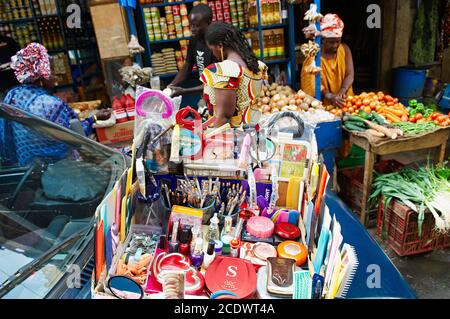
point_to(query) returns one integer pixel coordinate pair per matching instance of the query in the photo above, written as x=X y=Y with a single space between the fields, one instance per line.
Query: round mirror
x=125 y=288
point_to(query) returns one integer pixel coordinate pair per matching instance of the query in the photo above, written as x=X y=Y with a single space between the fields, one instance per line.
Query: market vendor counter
x=376 y=276
x=374 y=148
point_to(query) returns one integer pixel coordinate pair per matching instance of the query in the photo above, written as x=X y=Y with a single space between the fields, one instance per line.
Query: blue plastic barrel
x=409 y=83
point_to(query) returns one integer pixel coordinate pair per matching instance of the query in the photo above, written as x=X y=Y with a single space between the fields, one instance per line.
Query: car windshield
x=51 y=182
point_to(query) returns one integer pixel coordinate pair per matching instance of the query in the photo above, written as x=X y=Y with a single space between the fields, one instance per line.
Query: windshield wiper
x=23 y=273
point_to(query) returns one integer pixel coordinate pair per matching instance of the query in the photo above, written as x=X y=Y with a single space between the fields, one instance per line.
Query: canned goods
x=185 y=21
x=177 y=19
x=169 y=19
x=218 y=5
x=183 y=10
x=158 y=36
x=176 y=10
x=171 y=28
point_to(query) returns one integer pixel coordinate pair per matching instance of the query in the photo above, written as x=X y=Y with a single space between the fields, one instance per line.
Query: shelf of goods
x=45 y=21
x=265 y=24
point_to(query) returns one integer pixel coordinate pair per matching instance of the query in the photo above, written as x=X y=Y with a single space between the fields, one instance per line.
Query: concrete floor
x=427 y=274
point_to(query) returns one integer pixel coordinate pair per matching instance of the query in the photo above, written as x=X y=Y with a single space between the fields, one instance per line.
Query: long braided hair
x=232 y=38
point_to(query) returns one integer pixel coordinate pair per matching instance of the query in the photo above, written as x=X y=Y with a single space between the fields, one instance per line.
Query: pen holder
x=208 y=211
x=234 y=216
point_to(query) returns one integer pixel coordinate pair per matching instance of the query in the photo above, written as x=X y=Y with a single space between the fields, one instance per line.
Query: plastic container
x=351 y=182
x=401 y=228
x=408 y=82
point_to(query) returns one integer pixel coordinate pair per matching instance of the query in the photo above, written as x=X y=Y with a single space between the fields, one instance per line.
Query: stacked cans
x=238 y=13
x=174 y=25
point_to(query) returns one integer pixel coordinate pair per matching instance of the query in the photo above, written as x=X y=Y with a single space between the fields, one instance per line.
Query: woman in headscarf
x=32 y=68
x=337 y=71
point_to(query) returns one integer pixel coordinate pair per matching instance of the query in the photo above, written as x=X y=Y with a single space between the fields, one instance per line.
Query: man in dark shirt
x=8 y=48
x=198 y=52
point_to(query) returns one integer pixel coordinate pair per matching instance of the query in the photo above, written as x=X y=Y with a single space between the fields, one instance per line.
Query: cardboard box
x=122 y=132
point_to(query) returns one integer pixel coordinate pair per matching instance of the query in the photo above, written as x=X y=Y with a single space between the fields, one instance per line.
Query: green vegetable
x=378 y=118
x=428 y=112
x=412 y=103
x=418 y=189
x=409 y=128
x=420 y=108
x=360 y=124
x=412 y=112
x=352 y=127
x=364 y=115
x=354 y=118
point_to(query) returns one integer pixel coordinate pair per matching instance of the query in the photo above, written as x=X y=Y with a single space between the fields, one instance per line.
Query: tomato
x=349 y=98
x=351 y=109
x=435 y=115
x=436 y=122
x=412 y=119
x=441 y=118
x=418 y=116
x=373 y=105
x=443 y=124
x=366 y=101
x=389 y=98
x=395 y=100
x=390 y=103
x=358 y=103
x=349 y=104
x=345 y=109
x=354 y=100
x=367 y=109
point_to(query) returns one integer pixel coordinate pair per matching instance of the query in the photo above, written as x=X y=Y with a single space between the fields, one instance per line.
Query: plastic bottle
x=210 y=255
x=130 y=107
x=213 y=231
x=227 y=235
x=119 y=111
x=272 y=46
x=198 y=254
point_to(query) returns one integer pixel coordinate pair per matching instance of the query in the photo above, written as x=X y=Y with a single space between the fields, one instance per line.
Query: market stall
x=224 y=213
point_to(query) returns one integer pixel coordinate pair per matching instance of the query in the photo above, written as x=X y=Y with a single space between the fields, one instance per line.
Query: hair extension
x=232 y=38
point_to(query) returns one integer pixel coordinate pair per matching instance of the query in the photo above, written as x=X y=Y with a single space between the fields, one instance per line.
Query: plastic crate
x=401 y=229
x=351 y=184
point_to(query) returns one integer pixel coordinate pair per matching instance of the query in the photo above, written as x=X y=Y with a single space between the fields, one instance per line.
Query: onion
x=304 y=106
x=298 y=102
x=315 y=104
x=266 y=100
x=276 y=97
x=292 y=102
x=301 y=94
x=281 y=103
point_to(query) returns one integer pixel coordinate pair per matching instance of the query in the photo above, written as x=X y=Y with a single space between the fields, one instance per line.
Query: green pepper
x=412 y=103
x=420 y=108
x=412 y=112
x=428 y=112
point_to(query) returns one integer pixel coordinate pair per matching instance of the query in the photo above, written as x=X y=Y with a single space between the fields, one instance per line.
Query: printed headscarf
x=331 y=26
x=31 y=63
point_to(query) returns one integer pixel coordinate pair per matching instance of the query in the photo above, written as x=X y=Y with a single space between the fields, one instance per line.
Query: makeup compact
x=231 y=274
x=287 y=231
x=294 y=250
x=260 y=227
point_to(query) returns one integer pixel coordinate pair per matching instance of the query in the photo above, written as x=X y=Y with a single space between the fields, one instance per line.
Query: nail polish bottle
x=173 y=244
x=198 y=254
x=210 y=255
x=185 y=240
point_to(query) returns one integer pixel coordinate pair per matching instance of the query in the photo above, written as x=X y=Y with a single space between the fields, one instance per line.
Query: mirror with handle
x=124 y=287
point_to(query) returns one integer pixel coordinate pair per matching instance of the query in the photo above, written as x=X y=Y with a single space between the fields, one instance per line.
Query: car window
x=51 y=182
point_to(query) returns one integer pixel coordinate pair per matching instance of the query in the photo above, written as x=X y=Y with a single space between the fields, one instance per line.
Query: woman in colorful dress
x=232 y=86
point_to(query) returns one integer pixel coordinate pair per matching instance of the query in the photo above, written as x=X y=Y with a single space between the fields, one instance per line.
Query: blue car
x=47 y=206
